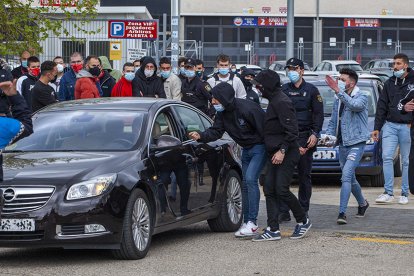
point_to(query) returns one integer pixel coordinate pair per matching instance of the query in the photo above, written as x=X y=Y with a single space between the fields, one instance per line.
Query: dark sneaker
x=301 y=230
x=341 y=219
x=284 y=217
x=362 y=210
x=268 y=236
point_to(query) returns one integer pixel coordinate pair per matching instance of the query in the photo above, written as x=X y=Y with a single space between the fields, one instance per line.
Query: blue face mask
x=189 y=73
x=399 y=73
x=341 y=85
x=165 y=74
x=234 y=70
x=293 y=76
x=182 y=71
x=129 y=76
x=24 y=63
x=223 y=71
x=218 y=107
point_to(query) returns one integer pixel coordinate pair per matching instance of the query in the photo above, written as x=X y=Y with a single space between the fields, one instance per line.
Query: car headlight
x=370 y=141
x=90 y=188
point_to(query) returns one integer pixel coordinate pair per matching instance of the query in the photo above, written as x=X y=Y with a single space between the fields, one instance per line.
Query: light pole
x=175 y=29
x=290 y=35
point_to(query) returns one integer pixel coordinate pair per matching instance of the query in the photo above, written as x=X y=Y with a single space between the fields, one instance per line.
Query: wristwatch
x=282 y=151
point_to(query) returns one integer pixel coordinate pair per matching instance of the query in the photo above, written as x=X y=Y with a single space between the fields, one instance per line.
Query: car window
x=189 y=119
x=162 y=126
x=206 y=122
x=82 y=130
x=355 y=67
x=320 y=66
x=327 y=67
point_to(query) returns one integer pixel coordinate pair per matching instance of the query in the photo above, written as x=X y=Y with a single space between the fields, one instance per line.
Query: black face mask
x=95 y=71
x=54 y=79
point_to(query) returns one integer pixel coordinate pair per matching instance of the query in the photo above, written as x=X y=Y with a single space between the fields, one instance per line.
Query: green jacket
x=106 y=65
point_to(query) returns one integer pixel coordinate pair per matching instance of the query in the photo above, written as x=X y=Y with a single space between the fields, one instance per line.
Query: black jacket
x=42 y=95
x=147 y=87
x=18 y=72
x=197 y=93
x=395 y=89
x=107 y=82
x=27 y=86
x=242 y=119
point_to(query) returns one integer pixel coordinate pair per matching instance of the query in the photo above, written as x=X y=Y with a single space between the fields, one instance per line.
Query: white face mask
x=148 y=73
x=60 y=68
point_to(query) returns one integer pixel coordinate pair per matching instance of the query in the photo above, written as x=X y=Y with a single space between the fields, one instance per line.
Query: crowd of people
x=278 y=141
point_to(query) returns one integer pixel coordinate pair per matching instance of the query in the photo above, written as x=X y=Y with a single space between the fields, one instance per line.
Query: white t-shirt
x=235 y=82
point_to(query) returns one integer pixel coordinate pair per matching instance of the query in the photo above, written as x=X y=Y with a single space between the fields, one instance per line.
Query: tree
x=25 y=23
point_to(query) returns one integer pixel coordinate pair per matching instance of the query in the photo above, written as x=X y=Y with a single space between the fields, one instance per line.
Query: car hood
x=62 y=167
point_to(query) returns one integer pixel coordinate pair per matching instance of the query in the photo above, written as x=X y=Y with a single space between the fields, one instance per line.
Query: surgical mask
x=95 y=71
x=341 y=85
x=293 y=76
x=77 y=67
x=189 y=73
x=60 y=68
x=148 y=73
x=24 y=63
x=399 y=73
x=129 y=76
x=234 y=70
x=165 y=74
x=223 y=71
x=35 y=72
x=218 y=107
x=182 y=71
x=136 y=69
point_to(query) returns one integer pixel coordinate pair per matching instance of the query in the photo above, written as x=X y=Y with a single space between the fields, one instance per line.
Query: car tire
x=398 y=166
x=137 y=228
x=230 y=216
x=377 y=180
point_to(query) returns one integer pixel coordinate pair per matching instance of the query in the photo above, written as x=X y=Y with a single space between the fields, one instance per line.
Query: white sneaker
x=385 y=198
x=249 y=230
x=237 y=234
x=403 y=200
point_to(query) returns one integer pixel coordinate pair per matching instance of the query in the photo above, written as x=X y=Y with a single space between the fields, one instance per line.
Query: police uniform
x=308 y=105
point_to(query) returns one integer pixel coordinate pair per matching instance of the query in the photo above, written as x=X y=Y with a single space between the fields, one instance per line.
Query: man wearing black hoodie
x=146 y=82
x=243 y=121
x=246 y=76
x=281 y=140
x=395 y=127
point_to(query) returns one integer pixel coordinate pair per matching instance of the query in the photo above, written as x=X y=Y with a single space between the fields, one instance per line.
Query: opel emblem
x=9 y=194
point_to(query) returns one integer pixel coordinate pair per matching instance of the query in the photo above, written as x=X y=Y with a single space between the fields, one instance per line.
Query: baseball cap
x=190 y=62
x=294 y=62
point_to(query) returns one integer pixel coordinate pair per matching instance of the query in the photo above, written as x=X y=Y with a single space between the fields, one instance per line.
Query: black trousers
x=305 y=182
x=276 y=189
x=411 y=164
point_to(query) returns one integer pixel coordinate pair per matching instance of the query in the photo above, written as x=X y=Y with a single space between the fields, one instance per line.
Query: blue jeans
x=394 y=134
x=349 y=157
x=253 y=160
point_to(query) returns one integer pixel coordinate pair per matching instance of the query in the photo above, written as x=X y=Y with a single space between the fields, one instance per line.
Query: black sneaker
x=362 y=210
x=301 y=230
x=341 y=219
x=284 y=217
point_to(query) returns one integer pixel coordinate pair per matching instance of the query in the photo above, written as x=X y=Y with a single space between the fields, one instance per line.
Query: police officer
x=309 y=112
x=194 y=90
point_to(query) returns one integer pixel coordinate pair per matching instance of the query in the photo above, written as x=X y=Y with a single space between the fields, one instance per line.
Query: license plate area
x=17 y=225
x=324 y=155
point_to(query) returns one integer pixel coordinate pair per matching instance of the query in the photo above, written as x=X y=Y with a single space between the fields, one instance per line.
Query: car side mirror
x=165 y=142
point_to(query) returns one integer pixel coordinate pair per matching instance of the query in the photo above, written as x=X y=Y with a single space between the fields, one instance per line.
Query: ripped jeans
x=349 y=157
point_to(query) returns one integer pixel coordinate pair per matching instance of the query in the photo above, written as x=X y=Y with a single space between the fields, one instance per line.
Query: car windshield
x=355 y=67
x=82 y=130
x=328 y=96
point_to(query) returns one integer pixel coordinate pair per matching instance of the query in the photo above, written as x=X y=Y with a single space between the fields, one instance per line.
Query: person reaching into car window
x=308 y=105
x=349 y=124
x=280 y=136
x=394 y=128
x=243 y=121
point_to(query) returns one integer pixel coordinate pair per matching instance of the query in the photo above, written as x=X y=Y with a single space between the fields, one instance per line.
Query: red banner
x=272 y=21
x=361 y=23
x=57 y=3
x=133 y=29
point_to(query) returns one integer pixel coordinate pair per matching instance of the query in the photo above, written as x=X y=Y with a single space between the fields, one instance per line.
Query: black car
x=101 y=173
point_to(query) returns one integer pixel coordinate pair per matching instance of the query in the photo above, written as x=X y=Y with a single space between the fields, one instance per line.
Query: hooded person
x=106 y=65
x=246 y=76
x=146 y=82
x=243 y=120
x=106 y=81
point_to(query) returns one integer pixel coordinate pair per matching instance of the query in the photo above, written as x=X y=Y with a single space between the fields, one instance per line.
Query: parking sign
x=117 y=29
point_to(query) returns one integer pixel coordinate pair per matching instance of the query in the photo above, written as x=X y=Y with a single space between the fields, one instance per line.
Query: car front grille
x=73 y=229
x=25 y=198
x=21 y=236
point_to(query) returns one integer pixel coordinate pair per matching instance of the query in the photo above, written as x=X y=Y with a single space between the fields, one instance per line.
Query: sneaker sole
x=270 y=239
x=304 y=234
x=341 y=222
x=359 y=216
x=403 y=203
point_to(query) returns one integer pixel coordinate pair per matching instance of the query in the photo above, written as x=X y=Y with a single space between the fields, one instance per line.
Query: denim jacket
x=354 y=121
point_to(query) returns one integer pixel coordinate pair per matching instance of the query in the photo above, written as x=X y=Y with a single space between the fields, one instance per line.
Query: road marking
x=382 y=241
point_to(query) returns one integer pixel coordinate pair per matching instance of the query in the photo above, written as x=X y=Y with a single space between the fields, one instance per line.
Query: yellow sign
x=115 y=50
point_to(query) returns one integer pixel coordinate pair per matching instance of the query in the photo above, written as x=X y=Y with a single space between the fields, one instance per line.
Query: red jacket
x=122 y=88
x=85 y=88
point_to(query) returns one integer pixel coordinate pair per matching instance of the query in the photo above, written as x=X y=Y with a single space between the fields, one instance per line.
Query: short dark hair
x=137 y=60
x=181 y=60
x=75 y=54
x=223 y=57
x=32 y=59
x=47 y=66
x=351 y=73
x=402 y=56
x=165 y=60
x=92 y=57
x=57 y=57
x=128 y=64
x=198 y=62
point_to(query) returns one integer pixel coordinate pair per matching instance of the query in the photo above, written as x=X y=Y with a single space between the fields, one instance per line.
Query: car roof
x=133 y=103
x=321 y=81
x=341 y=61
x=251 y=66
